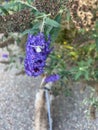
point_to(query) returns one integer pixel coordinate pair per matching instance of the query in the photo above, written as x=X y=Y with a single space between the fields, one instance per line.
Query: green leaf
x=68 y=16
x=54 y=33
x=4 y=10
x=77 y=76
x=86 y=75
x=51 y=22
x=25 y=3
x=33 y=30
x=96 y=24
x=96 y=40
x=58 y=18
x=17 y=3
x=9 y=5
x=29 y=1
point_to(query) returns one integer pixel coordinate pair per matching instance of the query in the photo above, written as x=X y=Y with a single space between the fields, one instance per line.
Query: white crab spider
x=38 y=48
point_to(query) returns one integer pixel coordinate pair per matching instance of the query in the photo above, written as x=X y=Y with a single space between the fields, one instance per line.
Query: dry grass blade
x=7 y=42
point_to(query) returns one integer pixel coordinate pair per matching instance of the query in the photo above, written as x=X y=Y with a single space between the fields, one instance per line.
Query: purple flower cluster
x=52 y=78
x=37 y=50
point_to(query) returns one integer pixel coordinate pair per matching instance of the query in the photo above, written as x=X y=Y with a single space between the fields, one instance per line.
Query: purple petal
x=52 y=78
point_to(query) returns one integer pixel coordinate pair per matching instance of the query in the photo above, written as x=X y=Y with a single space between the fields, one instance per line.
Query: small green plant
x=92 y=103
x=83 y=69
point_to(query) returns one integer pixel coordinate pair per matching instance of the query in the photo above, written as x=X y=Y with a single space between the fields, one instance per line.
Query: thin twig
x=7 y=42
x=5 y=62
x=20 y=73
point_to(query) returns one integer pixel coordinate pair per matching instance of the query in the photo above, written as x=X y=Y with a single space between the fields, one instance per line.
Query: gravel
x=17 y=101
x=71 y=113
